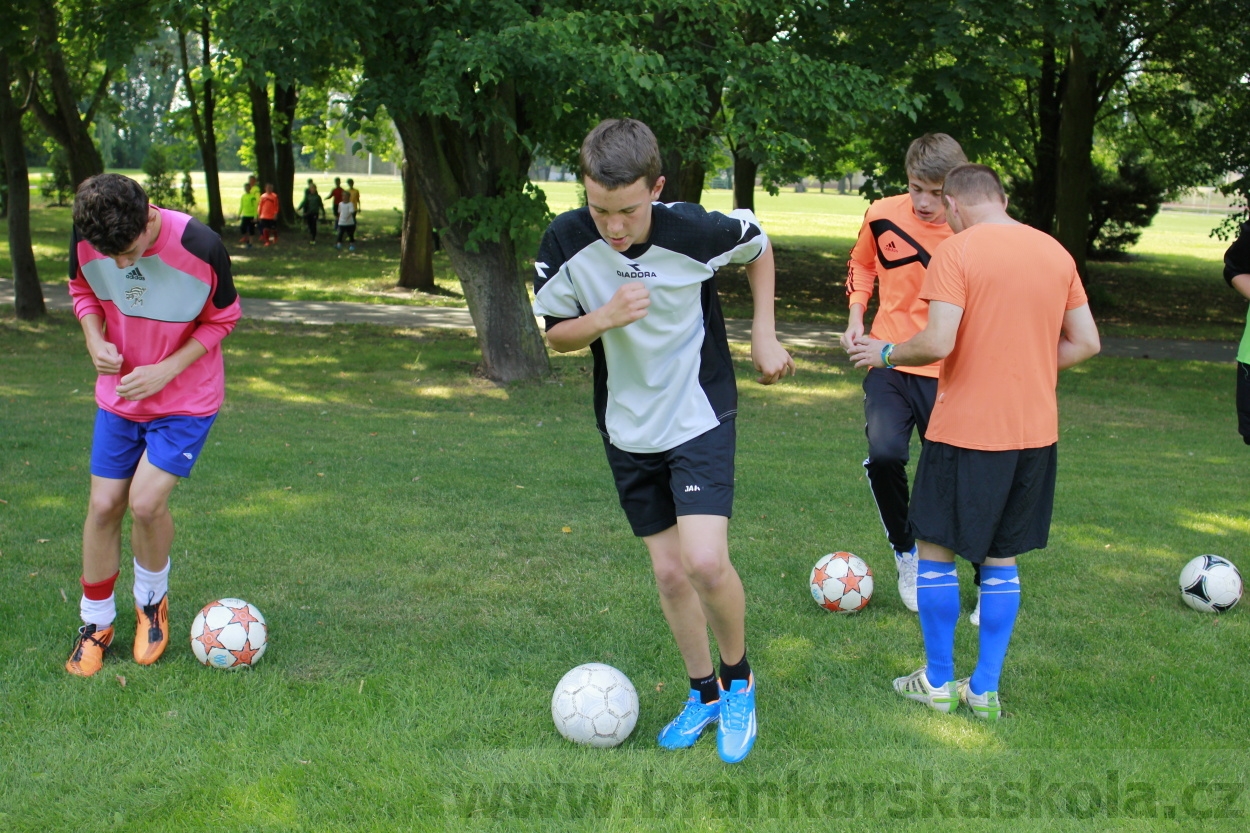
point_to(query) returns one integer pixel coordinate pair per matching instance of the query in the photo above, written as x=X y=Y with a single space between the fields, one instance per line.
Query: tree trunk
x=416 y=248
x=284 y=100
x=64 y=122
x=683 y=179
x=203 y=127
x=692 y=176
x=670 y=167
x=1041 y=214
x=744 y=181
x=262 y=127
x=28 y=294
x=1076 y=142
x=451 y=165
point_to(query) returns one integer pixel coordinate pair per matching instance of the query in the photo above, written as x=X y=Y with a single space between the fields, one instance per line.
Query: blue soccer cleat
x=686 y=727
x=736 y=733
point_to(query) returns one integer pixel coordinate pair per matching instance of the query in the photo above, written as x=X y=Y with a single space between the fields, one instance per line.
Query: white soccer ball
x=1211 y=584
x=842 y=582
x=595 y=704
x=229 y=633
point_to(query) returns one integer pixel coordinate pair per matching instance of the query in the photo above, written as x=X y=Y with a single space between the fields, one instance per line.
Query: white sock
x=150 y=587
x=98 y=612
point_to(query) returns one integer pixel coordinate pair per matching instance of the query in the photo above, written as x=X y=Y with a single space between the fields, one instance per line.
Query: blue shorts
x=173 y=444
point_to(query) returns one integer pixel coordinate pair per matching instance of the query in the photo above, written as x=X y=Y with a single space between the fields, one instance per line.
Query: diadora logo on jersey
x=693 y=488
x=135 y=275
x=636 y=273
x=135 y=295
x=541 y=269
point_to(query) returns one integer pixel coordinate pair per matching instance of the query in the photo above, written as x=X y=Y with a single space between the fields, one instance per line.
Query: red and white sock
x=97 y=606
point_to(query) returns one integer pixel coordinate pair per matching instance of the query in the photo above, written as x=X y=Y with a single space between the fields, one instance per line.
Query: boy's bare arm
x=1241 y=283
x=628 y=304
x=770 y=358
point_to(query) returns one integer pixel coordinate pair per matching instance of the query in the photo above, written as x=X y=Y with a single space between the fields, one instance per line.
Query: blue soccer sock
x=1000 y=602
x=937 y=596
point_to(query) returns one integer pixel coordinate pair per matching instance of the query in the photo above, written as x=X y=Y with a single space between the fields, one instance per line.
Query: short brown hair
x=619 y=152
x=974 y=184
x=932 y=156
x=110 y=211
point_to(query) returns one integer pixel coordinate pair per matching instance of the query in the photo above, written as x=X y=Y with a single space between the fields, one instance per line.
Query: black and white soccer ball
x=595 y=705
x=1211 y=584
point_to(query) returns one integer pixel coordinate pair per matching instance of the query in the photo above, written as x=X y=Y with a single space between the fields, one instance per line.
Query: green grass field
x=1169 y=287
x=401 y=525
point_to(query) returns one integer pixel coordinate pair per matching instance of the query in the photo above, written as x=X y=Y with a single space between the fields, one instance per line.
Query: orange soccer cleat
x=151 y=631
x=89 y=650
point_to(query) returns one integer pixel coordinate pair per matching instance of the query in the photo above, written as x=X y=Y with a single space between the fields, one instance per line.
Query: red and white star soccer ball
x=229 y=633
x=842 y=582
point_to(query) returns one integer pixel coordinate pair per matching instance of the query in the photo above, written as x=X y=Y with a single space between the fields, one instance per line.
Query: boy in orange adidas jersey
x=895 y=243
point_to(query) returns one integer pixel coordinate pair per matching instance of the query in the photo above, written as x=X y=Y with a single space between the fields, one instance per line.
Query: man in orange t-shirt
x=1007 y=312
x=895 y=243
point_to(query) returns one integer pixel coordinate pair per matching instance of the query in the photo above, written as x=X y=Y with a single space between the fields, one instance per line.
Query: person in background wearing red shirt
x=269 y=215
x=337 y=196
x=153 y=291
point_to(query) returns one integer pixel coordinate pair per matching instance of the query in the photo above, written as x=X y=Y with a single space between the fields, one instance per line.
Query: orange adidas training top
x=893 y=251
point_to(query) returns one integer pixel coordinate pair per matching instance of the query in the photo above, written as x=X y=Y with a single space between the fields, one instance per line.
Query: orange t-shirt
x=268 y=206
x=1014 y=283
x=893 y=249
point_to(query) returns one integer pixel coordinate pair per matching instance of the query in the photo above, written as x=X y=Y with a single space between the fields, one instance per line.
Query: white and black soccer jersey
x=667 y=377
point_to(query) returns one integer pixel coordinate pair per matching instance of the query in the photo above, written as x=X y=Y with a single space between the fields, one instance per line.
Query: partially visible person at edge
x=1237 y=273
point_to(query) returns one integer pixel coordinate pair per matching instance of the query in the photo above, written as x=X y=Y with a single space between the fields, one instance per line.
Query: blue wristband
x=886 y=352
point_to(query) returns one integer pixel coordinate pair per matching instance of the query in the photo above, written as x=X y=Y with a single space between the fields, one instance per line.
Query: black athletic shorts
x=1243 y=401
x=983 y=504
x=695 y=478
x=268 y=224
x=247 y=225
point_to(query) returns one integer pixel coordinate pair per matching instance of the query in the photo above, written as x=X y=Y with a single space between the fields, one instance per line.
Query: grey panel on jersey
x=151 y=288
x=667 y=377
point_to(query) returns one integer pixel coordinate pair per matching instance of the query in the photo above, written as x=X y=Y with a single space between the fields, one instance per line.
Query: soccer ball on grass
x=841 y=582
x=229 y=633
x=595 y=704
x=1210 y=584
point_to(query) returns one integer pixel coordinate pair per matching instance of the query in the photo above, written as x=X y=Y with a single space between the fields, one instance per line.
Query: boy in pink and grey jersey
x=153 y=291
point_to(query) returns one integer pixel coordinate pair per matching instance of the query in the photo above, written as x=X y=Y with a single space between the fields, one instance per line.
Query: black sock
x=707 y=688
x=739 y=671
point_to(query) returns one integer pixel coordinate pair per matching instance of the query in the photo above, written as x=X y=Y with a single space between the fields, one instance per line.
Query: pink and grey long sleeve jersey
x=181 y=288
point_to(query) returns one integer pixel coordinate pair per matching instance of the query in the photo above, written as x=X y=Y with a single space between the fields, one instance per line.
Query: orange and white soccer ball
x=229 y=633
x=842 y=582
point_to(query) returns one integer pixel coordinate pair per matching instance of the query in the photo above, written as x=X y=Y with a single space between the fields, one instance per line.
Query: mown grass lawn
x=400 y=523
x=1169 y=286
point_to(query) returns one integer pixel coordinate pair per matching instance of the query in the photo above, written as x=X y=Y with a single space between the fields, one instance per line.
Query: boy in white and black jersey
x=634 y=280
